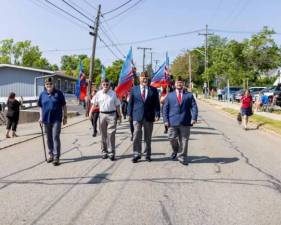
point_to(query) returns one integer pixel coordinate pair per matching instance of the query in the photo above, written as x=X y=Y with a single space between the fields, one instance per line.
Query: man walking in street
x=179 y=113
x=53 y=112
x=109 y=106
x=143 y=109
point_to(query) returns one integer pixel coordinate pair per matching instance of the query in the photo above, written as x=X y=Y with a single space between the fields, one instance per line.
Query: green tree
x=112 y=72
x=6 y=51
x=23 y=53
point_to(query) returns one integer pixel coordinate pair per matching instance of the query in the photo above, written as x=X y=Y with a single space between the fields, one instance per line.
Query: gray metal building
x=29 y=82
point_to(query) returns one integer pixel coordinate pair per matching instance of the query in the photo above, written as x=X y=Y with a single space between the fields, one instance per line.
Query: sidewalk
x=29 y=131
x=236 y=106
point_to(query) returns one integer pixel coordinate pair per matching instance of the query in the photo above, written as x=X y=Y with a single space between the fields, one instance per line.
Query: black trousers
x=94 y=120
x=12 y=123
x=132 y=127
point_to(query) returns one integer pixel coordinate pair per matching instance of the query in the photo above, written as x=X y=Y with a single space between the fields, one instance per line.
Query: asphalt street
x=234 y=177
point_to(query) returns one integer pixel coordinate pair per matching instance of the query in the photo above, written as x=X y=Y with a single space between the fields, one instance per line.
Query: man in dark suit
x=143 y=109
x=180 y=113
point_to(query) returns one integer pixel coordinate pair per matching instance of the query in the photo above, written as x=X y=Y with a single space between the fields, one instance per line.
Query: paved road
x=233 y=178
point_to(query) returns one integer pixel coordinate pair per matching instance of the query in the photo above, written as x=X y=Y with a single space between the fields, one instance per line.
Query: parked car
x=278 y=100
x=255 y=91
x=267 y=89
x=276 y=90
x=232 y=91
x=238 y=95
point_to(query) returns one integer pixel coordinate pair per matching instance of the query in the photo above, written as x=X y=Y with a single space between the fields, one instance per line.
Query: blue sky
x=51 y=30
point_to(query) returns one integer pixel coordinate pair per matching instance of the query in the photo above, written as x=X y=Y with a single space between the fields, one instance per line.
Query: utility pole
x=143 y=60
x=206 y=34
x=92 y=63
x=156 y=64
x=190 y=71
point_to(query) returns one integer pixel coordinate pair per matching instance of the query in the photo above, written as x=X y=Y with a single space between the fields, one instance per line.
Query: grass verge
x=261 y=121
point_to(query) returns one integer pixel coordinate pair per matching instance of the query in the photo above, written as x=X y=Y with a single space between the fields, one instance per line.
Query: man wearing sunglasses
x=53 y=112
x=109 y=106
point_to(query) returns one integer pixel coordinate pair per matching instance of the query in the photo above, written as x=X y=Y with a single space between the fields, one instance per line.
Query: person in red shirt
x=94 y=115
x=246 y=108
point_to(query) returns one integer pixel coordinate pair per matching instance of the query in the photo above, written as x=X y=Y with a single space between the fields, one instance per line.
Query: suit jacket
x=176 y=114
x=148 y=109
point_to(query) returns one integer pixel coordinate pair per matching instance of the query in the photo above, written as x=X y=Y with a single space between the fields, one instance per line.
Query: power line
x=215 y=13
x=238 y=32
x=110 y=30
x=137 y=42
x=86 y=11
x=91 y=5
x=81 y=13
x=113 y=10
x=107 y=46
x=113 y=44
x=242 y=8
x=59 y=8
x=124 y=11
x=56 y=13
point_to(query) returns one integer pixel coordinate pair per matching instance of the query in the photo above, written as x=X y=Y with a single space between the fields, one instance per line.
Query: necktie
x=143 y=94
x=179 y=97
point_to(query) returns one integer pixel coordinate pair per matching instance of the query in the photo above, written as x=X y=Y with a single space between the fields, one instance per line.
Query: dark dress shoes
x=112 y=157
x=136 y=159
x=148 y=158
x=56 y=162
x=173 y=155
x=105 y=156
x=50 y=159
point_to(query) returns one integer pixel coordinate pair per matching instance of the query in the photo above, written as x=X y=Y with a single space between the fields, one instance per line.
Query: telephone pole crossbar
x=206 y=34
x=143 y=61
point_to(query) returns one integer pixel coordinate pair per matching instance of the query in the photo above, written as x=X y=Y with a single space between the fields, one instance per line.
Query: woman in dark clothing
x=124 y=105
x=12 y=114
x=162 y=100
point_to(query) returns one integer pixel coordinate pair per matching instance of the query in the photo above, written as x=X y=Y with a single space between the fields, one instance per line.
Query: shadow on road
x=202 y=132
x=206 y=159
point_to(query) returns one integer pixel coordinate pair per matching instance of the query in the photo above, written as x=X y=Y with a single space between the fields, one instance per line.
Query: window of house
x=59 y=84
x=65 y=86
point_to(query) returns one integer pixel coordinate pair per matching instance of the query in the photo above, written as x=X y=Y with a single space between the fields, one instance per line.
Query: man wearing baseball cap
x=53 y=112
x=143 y=110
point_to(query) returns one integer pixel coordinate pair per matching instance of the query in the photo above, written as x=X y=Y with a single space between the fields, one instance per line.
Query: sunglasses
x=105 y=84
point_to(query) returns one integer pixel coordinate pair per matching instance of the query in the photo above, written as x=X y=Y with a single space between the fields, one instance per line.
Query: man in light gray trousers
x=109 y=106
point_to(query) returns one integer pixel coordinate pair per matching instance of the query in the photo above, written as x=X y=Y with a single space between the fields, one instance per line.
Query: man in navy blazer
x=143 y=109
x=179 y=113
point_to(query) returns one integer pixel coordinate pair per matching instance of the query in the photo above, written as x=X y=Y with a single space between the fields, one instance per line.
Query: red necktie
x=179 y=97
x=143 y=94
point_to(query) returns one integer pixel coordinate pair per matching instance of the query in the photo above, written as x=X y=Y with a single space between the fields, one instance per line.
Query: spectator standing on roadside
x=12 y=115
x=246 y=108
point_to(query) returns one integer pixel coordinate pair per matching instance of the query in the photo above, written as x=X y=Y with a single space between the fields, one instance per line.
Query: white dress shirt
x=107 y=102
x=179 y=92
x=146 y=90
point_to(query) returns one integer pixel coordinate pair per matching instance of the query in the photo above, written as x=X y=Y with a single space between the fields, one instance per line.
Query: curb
x=218 y=107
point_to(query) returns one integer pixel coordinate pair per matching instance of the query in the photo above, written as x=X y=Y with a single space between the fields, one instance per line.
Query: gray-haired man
x=109 y=106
